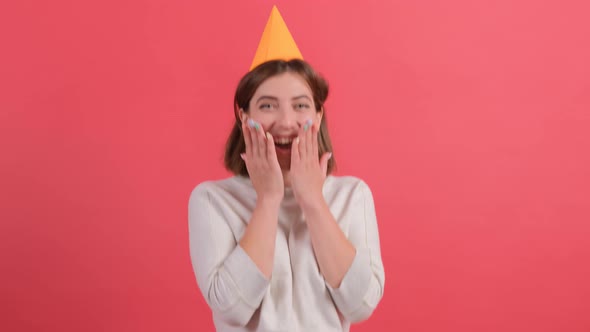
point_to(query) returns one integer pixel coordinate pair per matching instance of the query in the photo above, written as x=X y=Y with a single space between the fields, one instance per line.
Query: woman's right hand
x=262 y=163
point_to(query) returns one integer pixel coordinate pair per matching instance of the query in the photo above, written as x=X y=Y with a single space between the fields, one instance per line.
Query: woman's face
x=281 y=105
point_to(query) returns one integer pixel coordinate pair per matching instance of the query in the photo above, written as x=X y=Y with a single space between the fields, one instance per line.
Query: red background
x=469 y=120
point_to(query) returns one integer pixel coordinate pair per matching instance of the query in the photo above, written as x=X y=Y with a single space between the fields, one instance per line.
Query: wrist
x=313 y=204
x=269 y=201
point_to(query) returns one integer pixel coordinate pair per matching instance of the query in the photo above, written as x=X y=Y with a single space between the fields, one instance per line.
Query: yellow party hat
x=276 y=41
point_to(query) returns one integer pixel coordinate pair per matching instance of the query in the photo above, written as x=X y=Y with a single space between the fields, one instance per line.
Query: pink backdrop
x=470 y=121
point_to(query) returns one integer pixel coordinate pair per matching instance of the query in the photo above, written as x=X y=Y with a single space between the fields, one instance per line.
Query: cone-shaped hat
x=276 y=41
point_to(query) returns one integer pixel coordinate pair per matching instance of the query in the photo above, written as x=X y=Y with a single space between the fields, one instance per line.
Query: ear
x=242 y=114
x=319 y=115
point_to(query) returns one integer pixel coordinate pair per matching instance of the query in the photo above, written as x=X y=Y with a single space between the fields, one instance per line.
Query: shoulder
x=207 y=188
x=346 y=185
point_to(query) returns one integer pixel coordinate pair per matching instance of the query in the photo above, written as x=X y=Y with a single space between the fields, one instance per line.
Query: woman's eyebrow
x=266 y=97
x=302 y=96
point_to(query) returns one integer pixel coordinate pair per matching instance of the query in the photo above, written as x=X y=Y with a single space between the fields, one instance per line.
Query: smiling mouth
x=283 y=143
x=286 y=146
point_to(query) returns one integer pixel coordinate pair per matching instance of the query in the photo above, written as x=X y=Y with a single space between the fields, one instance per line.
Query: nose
x=287 y=118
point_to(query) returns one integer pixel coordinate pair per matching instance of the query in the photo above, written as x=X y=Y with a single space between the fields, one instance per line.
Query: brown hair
x=245 y=91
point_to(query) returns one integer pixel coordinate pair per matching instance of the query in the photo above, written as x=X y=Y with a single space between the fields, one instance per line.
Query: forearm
x=260 y=235
x=333 y=250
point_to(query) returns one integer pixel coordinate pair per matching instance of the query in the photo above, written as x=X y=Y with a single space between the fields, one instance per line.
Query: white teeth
x=283 y=140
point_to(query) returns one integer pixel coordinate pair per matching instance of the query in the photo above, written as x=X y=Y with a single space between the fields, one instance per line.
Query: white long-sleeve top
x=296 y=298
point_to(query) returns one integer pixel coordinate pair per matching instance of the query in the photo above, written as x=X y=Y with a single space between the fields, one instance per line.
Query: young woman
x=284 y=245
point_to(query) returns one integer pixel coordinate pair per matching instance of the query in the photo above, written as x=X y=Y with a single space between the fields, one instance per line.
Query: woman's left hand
x=308 y=170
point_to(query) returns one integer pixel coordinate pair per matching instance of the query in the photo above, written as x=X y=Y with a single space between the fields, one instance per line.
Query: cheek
x=265 y=119
x=315 y=116
x=307 y=114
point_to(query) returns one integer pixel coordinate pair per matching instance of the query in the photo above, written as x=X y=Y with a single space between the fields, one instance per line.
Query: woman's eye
x=301 y=106
x=265 y=106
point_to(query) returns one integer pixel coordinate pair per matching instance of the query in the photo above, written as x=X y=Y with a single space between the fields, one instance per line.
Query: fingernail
x=268 y=135
x=307 y=125
x=252 y=123
x=296 y=140
x=329 y=155
x=243 y=156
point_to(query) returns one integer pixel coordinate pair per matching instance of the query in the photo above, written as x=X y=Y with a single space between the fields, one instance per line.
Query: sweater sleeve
x=229 y=280
x=363 y=284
